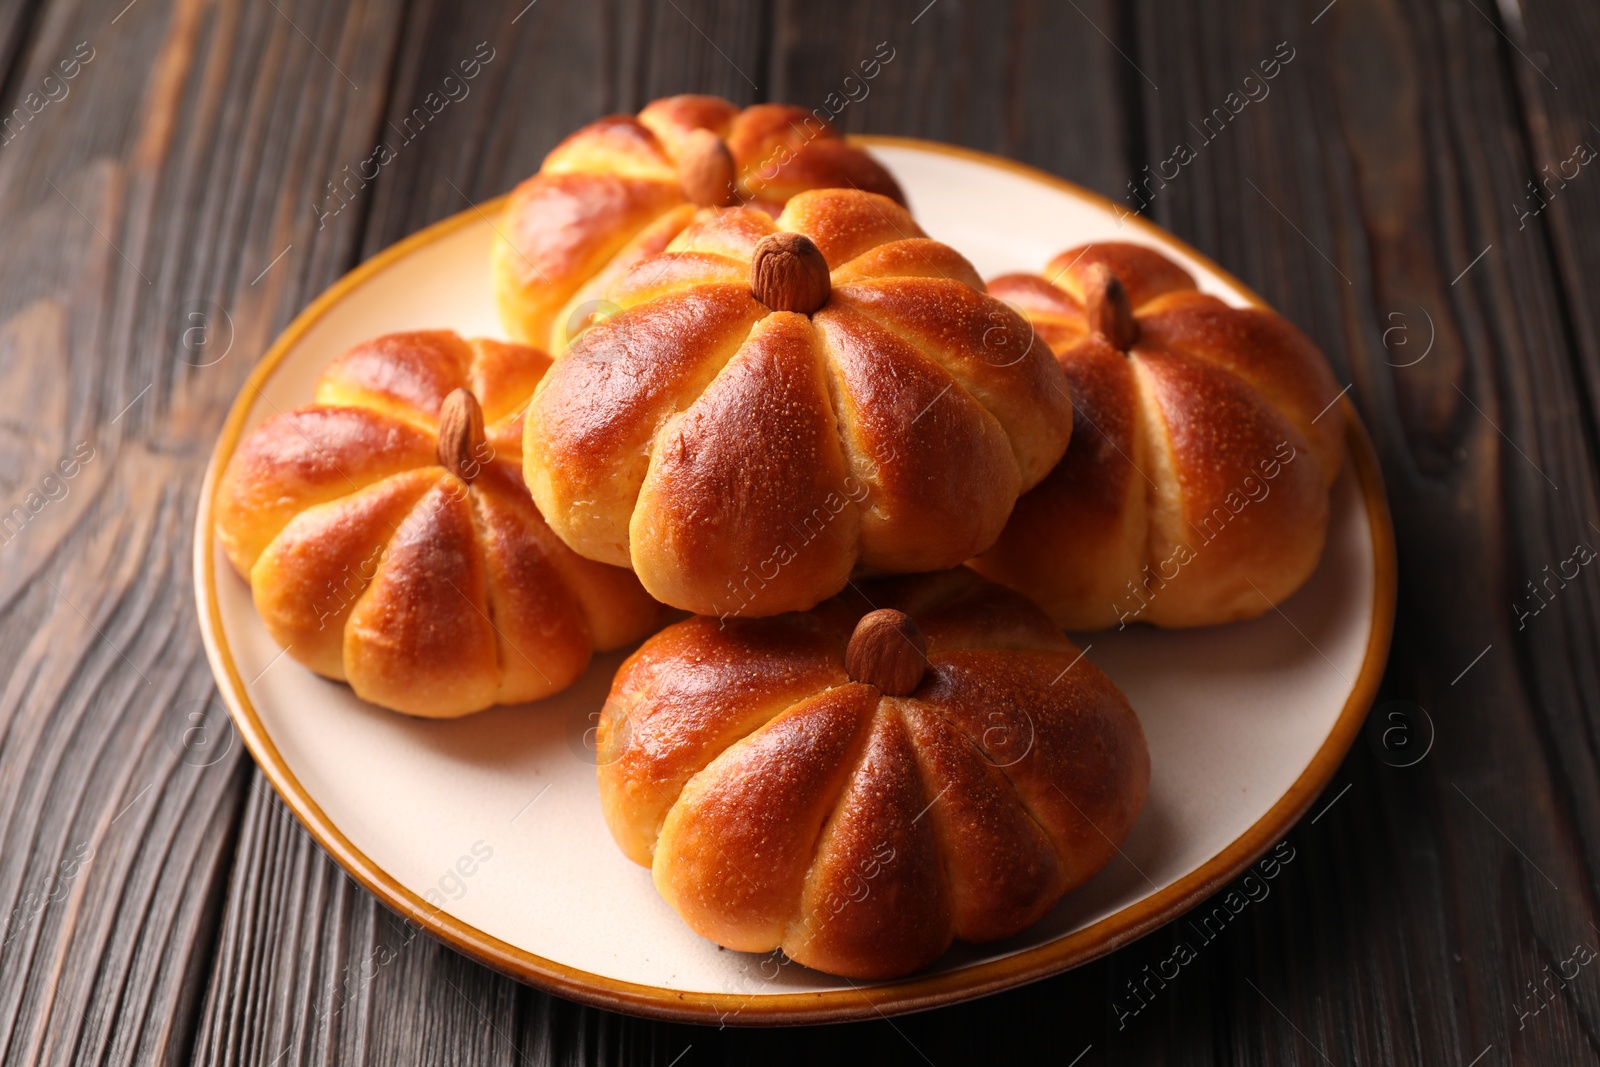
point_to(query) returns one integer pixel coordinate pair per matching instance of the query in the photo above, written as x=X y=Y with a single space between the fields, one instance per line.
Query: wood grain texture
x=195 y=920
x=1033 y=80
x=120 y=787
x=1441 y=889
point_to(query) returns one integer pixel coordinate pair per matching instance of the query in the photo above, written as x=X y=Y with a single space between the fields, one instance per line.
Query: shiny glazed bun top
x=918 y=760
x=781 y=402
x=1196 y=487
x=622 y=187
x=390 y=543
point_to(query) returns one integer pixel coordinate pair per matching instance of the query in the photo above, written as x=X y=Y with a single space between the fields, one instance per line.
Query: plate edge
x=917 y=994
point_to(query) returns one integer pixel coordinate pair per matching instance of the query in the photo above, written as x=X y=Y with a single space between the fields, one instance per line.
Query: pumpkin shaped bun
x=924 y=760
x=621 y=188
x=389 y=541
x=781 y=403
x=1195 y=490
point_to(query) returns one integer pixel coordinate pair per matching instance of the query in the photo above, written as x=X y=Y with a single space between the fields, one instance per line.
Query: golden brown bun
x=782 y=805
x=748 y=461
x=613 y=193
x=369 y=562
x=1195 y=489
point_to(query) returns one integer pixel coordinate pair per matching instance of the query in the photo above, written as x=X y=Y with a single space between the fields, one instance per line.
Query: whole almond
x=463 y=448
x=1105 y=302
x=706 y=170
x=887 y=650
x=788 y=273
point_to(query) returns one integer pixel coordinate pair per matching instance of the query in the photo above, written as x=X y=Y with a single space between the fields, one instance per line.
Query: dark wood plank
x=1429 y=895
x=1550 y=50
x=1032 y=80
x=16 y=18
x=179 y=162
x=557 y=67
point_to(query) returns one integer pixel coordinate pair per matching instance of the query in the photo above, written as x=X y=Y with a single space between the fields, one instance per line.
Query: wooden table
x=164 y=198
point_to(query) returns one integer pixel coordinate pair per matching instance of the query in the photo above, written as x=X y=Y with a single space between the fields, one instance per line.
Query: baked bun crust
x=621 y=188
x=745 y=460
x=782 y=804
x=1195 y=489
x=431 y=591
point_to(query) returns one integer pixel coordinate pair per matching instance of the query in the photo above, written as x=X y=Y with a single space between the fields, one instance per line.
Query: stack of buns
x=743 y=383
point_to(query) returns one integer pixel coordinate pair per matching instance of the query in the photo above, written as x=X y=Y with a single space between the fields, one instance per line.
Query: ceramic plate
x=487 y=831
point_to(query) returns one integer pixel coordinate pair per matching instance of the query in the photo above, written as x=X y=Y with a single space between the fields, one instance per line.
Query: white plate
x=487 y=831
